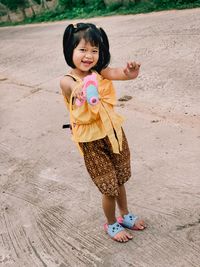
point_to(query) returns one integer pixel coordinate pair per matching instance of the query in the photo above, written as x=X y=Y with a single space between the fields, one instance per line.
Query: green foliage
x=70 y=9
x=114 y=6
x=14 y=4
x=72 y=3
x=66 y=3
x=91 y=4
x=38 y=1
x=172 y=3
x=97 y=5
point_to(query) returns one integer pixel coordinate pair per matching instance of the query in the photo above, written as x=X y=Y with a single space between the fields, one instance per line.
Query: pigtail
x=104 y=38
x=104 y=49
x=67 y=40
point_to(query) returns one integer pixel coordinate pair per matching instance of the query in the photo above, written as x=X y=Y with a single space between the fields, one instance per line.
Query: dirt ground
x=51 y=212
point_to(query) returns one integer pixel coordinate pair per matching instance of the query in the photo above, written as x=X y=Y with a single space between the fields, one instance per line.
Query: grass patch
x=115 y=9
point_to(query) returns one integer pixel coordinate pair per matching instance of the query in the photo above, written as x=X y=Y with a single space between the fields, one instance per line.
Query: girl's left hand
x=132 y=69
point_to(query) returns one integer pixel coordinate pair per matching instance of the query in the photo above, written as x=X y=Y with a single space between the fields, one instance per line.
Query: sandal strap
x=129 y=220
x=114 y=229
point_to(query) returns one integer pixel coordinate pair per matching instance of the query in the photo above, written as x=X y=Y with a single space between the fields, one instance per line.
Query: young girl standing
x=96 y=128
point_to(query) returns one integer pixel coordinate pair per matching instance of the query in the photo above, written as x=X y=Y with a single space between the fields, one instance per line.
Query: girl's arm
x=130 y=72
x=67 y=84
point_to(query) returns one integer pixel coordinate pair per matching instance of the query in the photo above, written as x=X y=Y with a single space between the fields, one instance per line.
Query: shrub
x=14 y=4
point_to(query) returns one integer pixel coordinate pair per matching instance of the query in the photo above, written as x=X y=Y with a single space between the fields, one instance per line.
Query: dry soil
x=51 y=212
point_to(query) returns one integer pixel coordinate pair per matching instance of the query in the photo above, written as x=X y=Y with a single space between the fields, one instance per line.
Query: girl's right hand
x=79 y=95
x=78 y=92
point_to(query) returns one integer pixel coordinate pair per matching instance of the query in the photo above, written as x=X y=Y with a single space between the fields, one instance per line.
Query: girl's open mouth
x=87 y=62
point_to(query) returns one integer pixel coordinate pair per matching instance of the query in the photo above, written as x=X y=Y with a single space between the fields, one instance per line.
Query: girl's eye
x=82 y=49
x=95 y=51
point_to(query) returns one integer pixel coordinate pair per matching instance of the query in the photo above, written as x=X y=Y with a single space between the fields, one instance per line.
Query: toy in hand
x=90 y=91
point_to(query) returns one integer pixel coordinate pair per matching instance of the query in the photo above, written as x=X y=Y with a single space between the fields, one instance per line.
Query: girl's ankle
x=124 y=212
x=110 y=222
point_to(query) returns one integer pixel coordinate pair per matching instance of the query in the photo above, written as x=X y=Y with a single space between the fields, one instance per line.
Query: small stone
x=3 y=79
x=154 y=121
x=125 y=98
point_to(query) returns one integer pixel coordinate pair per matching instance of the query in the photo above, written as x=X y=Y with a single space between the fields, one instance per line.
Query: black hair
x=90 y=33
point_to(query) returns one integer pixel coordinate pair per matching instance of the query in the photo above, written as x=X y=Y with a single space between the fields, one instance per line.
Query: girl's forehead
x=84 y=42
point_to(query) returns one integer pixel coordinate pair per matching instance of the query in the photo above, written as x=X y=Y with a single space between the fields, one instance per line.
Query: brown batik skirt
x=107 y=169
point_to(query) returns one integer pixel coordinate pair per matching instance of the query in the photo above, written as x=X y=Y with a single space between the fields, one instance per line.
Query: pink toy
x=90 y=91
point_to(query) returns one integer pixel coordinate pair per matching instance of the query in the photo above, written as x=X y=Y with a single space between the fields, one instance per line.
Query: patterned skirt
x=107 y=169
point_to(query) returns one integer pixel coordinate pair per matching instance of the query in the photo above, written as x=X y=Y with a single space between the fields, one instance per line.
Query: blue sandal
x=113 y=229
x=128 y=221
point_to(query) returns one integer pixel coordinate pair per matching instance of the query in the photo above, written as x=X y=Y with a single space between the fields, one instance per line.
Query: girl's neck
x=80 y=74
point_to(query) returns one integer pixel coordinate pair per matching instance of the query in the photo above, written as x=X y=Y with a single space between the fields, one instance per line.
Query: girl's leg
x=123 y=207
x=122 y=201
x=109 y=204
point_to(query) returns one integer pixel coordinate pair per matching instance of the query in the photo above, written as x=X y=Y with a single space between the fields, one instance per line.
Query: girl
x=97 y=129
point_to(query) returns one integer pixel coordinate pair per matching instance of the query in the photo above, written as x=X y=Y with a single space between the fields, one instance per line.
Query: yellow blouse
x=91 y=123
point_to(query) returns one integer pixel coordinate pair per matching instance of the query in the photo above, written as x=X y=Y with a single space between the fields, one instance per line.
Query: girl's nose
x=88 y=55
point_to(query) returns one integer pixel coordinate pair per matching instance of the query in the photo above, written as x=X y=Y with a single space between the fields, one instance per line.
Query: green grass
x=85 y=12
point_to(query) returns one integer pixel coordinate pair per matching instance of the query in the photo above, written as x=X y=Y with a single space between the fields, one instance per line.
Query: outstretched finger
x=138 y=65
x=126 y=71
x=132 y=65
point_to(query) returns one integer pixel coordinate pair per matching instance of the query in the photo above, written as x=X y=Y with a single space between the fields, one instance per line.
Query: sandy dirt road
x=50 y=211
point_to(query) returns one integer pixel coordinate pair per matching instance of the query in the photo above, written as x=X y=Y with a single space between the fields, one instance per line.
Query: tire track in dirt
x=15 y=244
x=50 y=224
x=165 y=246
x=55 y=235
x=54 y=231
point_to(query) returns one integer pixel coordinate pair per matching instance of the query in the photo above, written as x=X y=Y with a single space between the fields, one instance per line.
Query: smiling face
x=85 y=57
